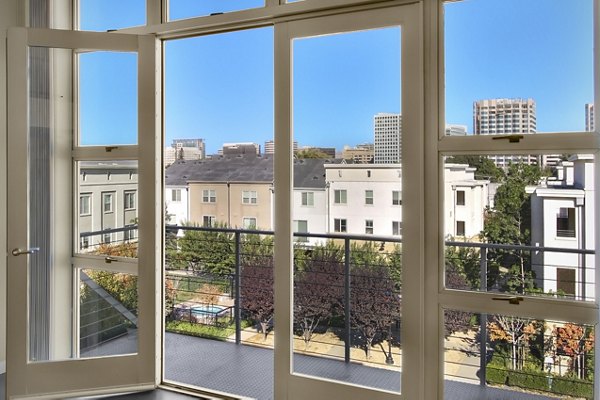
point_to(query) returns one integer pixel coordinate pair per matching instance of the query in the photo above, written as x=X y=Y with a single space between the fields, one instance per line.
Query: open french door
x=83 y=213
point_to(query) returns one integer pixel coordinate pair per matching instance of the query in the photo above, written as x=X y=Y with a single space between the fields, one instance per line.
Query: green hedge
x=497 y=374
x=573 y=387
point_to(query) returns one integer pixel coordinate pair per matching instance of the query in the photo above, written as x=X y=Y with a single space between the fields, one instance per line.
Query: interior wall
x=10 y=12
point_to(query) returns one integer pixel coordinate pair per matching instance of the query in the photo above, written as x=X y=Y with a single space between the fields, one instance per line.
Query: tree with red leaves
x=575 y=341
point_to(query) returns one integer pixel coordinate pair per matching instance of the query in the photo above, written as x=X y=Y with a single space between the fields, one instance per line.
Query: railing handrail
x=342 y=236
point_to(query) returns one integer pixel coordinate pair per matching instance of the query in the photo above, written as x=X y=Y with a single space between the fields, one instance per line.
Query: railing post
x=483 y=318
x=347 y=299
x=237 y=301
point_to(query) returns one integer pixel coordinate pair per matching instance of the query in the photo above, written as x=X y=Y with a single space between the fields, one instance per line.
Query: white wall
x=178 y=210
x=315 y=215
x=9 y=11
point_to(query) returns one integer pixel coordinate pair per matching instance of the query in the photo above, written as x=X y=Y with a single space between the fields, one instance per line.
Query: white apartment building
x=177 y=203
x=589 y=117
x=367 y=199
x=388 y=138
x=507 y=117
x=562 y=216
x=456 y=130
x=465 y=199
x=107 y=200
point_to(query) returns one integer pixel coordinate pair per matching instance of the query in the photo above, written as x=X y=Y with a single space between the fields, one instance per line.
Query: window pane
x=110 y=226
x=507 y=73
x=523 y=228
x=107 y=98
x=342 y=84
x=218 y=115
x=107 y=313
x=181 y=9
x=105 y=15
x=519 y=358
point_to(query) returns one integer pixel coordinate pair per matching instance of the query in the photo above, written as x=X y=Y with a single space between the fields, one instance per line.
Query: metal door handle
x=18 y=252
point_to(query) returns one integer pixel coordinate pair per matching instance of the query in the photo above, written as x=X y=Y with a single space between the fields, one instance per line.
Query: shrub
x=573 y=387
x=496 y=374
x=528 y=380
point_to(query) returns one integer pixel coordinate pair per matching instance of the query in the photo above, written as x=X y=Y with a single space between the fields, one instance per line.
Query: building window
x=106 y=238
x=249 y=197
x=85 y=204
x=209 y=196
x=460 y=197
x=565 y=222
x=249 y=223
x=396 y=198
x=565 y=281
x=369 y=226
x=339 y=225
x=308 y=199
x=460 y=228
x=129 y=198
x=107 y=202
x=339 y=196
x=301 y=226
x=368 y=197
x=209 y=221
x=84 y=243
x=176 y=195
x=396 y=228
x=129 y=234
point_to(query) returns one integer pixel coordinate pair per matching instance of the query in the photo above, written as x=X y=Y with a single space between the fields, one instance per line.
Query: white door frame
x=290 y=385
x=76 y=377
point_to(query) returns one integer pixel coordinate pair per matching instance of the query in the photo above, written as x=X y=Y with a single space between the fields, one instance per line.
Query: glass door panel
x=347 y=209
x=74 y=264
x=353 y=130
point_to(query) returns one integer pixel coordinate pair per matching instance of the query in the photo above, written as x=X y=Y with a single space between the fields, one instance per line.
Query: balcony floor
x=248 y=370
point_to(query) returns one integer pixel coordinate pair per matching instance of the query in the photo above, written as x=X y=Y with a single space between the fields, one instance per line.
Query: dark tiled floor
x=248 y=371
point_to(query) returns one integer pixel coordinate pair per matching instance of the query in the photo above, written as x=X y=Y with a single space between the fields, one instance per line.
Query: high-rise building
x=589 y=117
x=270 y=147
x=508 y=117
x=388 y=138
x=185 y=149
x=240 y=148
x=456 y=130
x=361 y=154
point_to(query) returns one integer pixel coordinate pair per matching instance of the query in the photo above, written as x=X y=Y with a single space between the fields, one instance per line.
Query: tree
x=516 y=332
x=508 y=223
x=455 y=320
x=318 y=287
x=575 y=341
x=311 y=153
x=256 y=280
x=374 y=302
x=205 y=251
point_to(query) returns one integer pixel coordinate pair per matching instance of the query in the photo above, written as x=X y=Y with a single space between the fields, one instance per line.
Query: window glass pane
x=506 y=73
x=110 y=225
x=107 y=98
x=348 y=85
x=525 y=227
x=181 y=9
x=518 y=358
x=107 y=313
x=218 y=117
x=105 y=15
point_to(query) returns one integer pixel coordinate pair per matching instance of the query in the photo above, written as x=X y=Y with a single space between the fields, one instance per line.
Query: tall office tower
x=270 y=147
x=507 y=117
x=388 y=138
x=589 y=117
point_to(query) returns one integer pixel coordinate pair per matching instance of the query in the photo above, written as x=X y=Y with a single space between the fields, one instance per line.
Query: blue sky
x=220 y=87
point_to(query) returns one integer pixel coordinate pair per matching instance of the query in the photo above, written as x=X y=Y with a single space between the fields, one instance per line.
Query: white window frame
x=396 y=198
x=369 y=197
x=249 y=223
x=129 y=200
x=211 y=219
x=249 y=197
x=209 y=196
x=110 y=204
x=176 y=195
x=88 y=201
x=340 y=196
x=308 y=199
x=369 y=229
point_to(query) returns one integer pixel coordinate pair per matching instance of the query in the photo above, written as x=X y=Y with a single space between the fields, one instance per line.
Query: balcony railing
x=219 y=285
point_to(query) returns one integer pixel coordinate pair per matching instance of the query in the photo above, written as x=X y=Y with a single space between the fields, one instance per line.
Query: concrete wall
x=9 y=16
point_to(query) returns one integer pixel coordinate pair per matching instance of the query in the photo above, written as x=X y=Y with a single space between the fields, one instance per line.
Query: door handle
x=511 y=300
x=19 y=252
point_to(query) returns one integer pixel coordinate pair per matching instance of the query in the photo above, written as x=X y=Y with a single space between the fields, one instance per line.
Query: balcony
x=220 y=327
